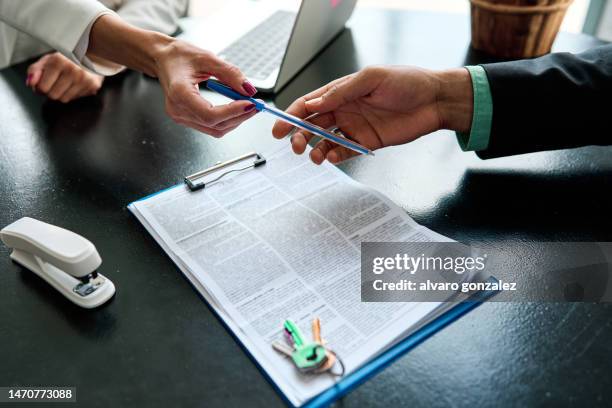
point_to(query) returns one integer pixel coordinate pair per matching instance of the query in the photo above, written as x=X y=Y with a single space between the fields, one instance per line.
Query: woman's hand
x=180 y=67
x=61 y=79
x=383 y=106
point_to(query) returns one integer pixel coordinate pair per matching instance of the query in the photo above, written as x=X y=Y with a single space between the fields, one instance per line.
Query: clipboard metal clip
x=200 y=180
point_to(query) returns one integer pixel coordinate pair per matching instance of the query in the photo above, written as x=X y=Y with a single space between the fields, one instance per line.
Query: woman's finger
x=201 y=128
x=224 y=113
x=74 y=92
x=35 y=72
x=47 y=80
x=227 y=73
x=59 y=88
x=187 y=101
x=234 y=122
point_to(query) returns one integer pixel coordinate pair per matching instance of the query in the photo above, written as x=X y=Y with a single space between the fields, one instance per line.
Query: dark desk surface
x=157 y=344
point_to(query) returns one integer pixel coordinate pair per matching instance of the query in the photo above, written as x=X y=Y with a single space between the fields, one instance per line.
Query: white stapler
x=64 y=259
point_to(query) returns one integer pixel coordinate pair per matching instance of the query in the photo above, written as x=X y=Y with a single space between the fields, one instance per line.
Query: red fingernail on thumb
x=249 y=88
x=249 y=108
x=28 y=79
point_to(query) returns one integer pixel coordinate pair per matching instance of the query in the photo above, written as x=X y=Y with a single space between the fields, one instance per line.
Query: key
x=316 y=335
x=295 y=333
x=282 y=348
x=306 y=356
x=330 y=361
x=316 y=330
x=288 y=337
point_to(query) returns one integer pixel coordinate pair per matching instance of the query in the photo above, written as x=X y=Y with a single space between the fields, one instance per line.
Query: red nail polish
x=249 y=108
x=28 y=79
x=249 y=88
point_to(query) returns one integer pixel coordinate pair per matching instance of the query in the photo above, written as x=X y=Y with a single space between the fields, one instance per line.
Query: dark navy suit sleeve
x=557 y=101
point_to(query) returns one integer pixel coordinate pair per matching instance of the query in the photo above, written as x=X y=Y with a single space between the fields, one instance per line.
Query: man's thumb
x=337 y=95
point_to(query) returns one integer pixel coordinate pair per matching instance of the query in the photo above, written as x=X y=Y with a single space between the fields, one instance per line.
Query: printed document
x=283 y=241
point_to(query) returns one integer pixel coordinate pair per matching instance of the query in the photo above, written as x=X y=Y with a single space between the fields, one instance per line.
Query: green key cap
x=306 y=355
x=296 y=334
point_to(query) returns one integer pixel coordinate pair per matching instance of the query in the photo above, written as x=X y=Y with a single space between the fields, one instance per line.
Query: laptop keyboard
x=261 y=50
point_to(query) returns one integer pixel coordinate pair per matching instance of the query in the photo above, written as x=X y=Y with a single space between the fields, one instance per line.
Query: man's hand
x=383 y=106
x=61 y=79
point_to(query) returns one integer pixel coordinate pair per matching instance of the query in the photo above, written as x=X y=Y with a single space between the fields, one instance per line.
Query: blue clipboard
x=370 y=369
x=373 y=367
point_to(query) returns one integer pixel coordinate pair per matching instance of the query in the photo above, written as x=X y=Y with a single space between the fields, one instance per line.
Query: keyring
x=340 y=362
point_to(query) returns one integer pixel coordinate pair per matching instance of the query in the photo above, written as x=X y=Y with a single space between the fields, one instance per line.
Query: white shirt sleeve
x=156 y=15
x=99 y=66
x=64 y=25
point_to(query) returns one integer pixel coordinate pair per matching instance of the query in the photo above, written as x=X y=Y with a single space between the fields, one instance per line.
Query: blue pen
x=284 y=116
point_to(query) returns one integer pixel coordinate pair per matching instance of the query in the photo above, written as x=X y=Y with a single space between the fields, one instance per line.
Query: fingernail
x=249 y=108
x=314 y=101
x=249 y=88
x=28 y=79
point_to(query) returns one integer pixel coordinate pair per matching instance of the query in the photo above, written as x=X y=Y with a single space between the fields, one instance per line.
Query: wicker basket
x=516 y=28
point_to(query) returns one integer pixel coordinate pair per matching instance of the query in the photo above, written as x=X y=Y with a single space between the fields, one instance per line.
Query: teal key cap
x=306 y=356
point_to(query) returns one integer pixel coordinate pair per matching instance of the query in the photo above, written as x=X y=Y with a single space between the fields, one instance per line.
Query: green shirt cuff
x=478 y=138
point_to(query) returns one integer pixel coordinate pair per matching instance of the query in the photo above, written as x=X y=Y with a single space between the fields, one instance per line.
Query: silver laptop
x=268 y=40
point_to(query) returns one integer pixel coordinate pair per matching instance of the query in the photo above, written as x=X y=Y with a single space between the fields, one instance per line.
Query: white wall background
x=605 y=24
